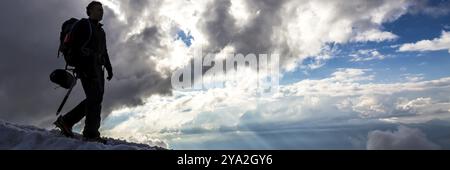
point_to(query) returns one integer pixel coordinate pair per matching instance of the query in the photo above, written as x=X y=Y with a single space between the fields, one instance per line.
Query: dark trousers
x=90 y=107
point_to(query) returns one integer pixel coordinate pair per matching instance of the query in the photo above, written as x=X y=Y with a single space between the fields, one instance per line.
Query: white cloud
x=115 y=7
x=241 y=13
x=401 y=139
x=419 y=110
x=374 y=35
x=367 y=55
x=263 y=28
x=441 y=43
x=346 y=93
x=147 y=31
x=316 y=23
x=350 y=86
x=413 y=77
x=350 y=75
x=338 y=23
x=370 y=106
x=414 y=105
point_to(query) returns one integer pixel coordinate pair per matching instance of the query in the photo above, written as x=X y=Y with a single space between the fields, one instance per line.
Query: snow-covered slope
x=21 y=137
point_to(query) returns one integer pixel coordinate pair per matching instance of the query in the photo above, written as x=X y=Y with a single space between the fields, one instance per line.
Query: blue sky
x=185 y=37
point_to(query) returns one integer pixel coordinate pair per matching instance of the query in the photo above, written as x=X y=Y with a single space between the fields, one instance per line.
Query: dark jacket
x=90 y=48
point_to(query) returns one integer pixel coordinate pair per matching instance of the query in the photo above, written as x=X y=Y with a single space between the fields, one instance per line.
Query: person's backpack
x=63 y=77
x=66 y=41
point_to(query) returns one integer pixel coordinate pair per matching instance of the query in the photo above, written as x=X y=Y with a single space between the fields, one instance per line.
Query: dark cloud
x=219 y=25
x=256 y=37
x=403 y=138
x=29 y=35
x=28 y=48
x=253 y=37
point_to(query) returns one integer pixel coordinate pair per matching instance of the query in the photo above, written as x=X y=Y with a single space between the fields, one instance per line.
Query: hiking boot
x=95 y=139
x=66 y=130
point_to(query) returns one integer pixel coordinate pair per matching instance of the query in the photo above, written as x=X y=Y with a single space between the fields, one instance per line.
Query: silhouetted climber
x=92 y=59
